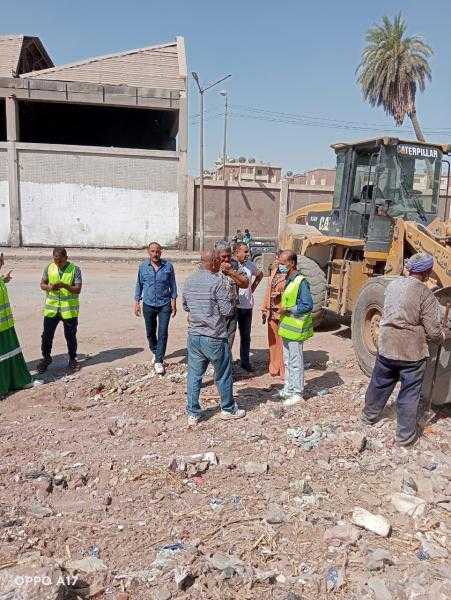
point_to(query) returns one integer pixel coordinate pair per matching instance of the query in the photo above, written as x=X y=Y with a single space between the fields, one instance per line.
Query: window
x=323 y=182
x=259 y=171
x=312 y=181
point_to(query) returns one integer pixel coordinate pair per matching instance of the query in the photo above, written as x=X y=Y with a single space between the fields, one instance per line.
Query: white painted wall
x=84 y=215
x=4 y=213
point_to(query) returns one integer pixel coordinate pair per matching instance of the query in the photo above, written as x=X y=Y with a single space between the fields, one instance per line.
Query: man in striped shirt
x=208 y=304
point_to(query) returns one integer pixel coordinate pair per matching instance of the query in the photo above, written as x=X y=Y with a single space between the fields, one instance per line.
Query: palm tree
x=392 y=67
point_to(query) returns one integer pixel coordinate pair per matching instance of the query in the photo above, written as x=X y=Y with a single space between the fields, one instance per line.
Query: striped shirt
x=207 y=301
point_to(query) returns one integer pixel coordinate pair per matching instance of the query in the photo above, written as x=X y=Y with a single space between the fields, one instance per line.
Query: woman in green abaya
x=14 y=374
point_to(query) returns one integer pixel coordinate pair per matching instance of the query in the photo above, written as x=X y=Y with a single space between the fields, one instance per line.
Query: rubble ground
x=105 y=493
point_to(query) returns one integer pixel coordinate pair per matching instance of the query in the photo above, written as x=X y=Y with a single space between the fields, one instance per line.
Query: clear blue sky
x=289 y=56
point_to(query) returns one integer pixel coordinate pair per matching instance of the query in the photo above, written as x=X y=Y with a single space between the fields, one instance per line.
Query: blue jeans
x=203 y=350
x=293 y=360
x=152 y=316
x=386 y=374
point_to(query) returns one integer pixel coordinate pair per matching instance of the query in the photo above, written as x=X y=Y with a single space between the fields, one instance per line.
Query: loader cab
x=380 y=180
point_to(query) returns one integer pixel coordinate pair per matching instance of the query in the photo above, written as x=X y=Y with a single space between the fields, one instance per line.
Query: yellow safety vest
x=61 y=301
x=6 y=315
x=293 y=328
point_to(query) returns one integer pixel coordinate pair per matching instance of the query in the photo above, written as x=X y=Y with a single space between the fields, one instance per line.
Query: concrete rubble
x=111 y=496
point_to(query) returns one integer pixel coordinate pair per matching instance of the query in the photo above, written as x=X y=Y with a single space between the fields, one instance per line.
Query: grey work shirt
x=410 y=318
x=207 y=301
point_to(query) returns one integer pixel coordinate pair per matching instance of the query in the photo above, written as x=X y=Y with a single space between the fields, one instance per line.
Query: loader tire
x=366 y=321
x=318 y=285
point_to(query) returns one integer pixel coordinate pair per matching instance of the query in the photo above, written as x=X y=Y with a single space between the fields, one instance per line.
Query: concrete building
x=242 y=169
x=315 y=177
x=93 y=153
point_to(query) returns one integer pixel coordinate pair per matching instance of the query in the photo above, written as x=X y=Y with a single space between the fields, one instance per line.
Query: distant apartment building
x=246 y=170
x=314 y=178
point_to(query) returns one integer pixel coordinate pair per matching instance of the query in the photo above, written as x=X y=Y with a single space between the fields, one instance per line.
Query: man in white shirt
x=246 y=303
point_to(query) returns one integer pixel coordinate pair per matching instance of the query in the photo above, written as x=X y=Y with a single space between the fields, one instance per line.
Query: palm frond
x=393 y=67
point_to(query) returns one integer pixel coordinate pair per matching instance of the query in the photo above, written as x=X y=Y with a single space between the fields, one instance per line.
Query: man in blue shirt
x=157 y=288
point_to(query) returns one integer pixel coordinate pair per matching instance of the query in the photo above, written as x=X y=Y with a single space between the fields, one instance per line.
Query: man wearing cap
x=410 y=318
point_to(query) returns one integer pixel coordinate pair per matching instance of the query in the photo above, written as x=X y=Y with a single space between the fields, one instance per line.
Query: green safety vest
x=61 y=301
x=292 y=328
x=6 y=315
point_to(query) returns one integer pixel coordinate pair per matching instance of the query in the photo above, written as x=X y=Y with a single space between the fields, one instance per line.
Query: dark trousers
x=70 y=333
x=244 y=318
x=386 y=374
x=157 y=316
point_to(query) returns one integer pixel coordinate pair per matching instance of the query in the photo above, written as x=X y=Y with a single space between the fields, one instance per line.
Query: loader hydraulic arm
x=421 y=241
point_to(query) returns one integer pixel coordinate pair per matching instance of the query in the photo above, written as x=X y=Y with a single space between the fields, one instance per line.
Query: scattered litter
x=307 y=438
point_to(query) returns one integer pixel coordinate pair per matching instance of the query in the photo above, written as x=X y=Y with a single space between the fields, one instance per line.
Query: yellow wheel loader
x=386 y=207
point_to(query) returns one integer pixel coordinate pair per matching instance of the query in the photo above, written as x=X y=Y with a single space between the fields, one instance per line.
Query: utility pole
x=224 y=147
x=201 y=154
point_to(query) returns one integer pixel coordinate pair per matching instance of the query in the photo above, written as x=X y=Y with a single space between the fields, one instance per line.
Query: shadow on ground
x=58 y=368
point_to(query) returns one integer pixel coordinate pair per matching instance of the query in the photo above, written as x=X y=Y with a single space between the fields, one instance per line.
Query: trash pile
x=106 y=494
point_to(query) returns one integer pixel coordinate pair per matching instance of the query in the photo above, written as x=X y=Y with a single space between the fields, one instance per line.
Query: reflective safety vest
x=294 y=328
x=62 y=301
x=6 y=315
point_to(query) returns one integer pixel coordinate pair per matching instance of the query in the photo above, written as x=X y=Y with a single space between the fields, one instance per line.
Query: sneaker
x=281 y=394
x=159 y=368
x=43 y=365
x=249 y=368
x=238 y=413
x=292 y=400
x=193 y=420
x=73 y=365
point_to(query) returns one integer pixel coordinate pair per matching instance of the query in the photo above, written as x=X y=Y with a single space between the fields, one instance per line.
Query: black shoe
x=43 y=365
x=73 y=365
x=249 y=368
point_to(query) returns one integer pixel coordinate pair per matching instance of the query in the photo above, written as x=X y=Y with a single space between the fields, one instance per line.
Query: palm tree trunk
x=416 y=125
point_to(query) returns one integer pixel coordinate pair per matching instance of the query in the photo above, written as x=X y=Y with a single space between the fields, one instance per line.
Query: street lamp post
x=224 y=147
x=201 y=154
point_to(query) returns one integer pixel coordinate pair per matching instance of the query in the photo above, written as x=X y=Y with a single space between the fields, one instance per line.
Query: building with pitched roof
x=93 y=153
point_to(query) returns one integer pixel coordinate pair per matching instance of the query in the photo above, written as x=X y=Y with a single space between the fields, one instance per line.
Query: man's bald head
x=211 y=260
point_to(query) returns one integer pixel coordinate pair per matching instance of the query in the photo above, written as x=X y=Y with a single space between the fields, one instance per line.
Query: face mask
x=283 y=269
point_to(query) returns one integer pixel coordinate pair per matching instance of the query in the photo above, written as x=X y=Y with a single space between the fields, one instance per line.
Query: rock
x=227 y=563
x=254 y=468
x=183 y=578
x=343 y=533
x=379 y=589
x=409 y=486
x=162 y=594
x=275 y=516
x=375 y=523
x=354 y=440
x=431 y=548
x=301 y=486
x=409 y=505
x=196 y=463
x=25 y=582
x=89 y=564
x=377 y=559
x=40 y=511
